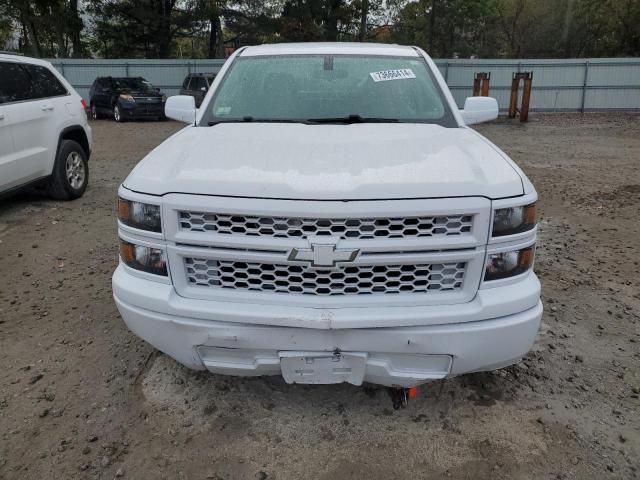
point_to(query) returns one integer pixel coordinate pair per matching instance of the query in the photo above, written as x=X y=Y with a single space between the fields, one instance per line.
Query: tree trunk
x=76 y=28
x=364 y=11
x=34 y=42
x=23 y=42
x=220 y=40
x=164 y=29
x=331 y=20
x=216 y=40
x=432 y=26
x=57 y=20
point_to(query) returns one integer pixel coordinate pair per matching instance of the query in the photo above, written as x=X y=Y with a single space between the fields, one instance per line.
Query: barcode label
x=399 y=74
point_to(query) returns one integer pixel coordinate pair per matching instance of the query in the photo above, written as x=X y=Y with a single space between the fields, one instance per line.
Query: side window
x=45 y=83
x=15 y=83
x=185 y=84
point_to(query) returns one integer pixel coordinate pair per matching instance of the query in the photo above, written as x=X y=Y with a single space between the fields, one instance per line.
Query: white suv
x=328 y=216
x=45 y=139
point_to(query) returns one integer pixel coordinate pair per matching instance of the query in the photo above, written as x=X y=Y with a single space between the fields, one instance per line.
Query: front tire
x=94 y=112
x=117 y=113
x=70 y=174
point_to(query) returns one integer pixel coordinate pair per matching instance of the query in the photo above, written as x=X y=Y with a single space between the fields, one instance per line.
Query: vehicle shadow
x=31 y=198
x=170 y=386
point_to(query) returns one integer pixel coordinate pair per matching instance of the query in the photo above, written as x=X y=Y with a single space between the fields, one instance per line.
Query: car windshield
x=137 y=84
x=329 y=89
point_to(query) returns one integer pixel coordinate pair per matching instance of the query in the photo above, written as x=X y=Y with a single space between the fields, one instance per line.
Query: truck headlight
x=140 y=215
x=127 y=98
x=145 y=259
x=509 y=221
x=508 y=264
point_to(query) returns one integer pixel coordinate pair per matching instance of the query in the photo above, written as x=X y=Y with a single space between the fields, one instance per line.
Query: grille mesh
x=352 y=228
x=351 y=280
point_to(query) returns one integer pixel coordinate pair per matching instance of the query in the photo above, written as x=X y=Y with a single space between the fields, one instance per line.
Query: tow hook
x=400 y=396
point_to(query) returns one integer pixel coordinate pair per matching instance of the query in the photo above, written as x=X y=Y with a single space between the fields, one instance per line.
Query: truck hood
x=327 y=162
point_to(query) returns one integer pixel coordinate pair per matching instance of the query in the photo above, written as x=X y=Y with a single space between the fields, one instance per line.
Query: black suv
x=125 y=98
x=197 y=85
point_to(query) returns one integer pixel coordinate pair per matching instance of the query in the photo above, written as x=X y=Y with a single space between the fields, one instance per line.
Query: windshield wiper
x=249 y=119
x=349 y=119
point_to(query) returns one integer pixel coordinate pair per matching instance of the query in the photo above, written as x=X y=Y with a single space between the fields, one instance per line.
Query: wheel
x=94 y=112
x=70 y=172
x=117 y=114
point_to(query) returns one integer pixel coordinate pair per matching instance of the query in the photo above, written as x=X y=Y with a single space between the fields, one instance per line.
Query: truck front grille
x=348 y=280
x=344 y=228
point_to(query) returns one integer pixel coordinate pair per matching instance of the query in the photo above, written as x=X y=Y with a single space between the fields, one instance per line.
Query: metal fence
x=558 y=84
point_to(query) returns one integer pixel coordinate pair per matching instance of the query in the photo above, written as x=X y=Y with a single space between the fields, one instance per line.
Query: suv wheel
x=94 y=112
x=70 y=172
x=117 y=114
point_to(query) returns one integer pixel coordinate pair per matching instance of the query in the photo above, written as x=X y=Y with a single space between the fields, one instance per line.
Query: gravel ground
x=82 y=397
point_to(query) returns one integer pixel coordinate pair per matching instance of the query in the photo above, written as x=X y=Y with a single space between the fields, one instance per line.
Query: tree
x=6 y=32
x=147 y=28
x=45 y=27
x=250 y=22
x=446 y=28
x=204 y=28
x=316 y=20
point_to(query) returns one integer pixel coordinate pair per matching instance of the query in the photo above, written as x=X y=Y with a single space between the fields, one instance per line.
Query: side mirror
x=181 y=108
x=479 y=109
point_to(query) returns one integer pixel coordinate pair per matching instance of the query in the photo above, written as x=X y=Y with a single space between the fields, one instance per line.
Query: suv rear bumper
x=246 y=339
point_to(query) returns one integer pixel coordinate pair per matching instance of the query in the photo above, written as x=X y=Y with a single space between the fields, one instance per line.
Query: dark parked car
x=123 y=98
x=197 y=85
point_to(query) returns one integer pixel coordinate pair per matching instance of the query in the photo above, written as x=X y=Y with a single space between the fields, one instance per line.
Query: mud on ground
x=82 y=397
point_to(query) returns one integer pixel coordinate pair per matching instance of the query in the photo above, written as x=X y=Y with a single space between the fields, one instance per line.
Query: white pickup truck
x=327 y=215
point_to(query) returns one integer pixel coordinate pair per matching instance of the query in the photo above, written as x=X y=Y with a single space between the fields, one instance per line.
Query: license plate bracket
x=323 y=367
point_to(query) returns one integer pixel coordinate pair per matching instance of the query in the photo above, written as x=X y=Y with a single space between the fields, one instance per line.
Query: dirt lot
x=81 y=397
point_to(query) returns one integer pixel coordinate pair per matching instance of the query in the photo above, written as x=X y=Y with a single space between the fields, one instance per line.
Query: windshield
x=138 y=84
x=328 y=89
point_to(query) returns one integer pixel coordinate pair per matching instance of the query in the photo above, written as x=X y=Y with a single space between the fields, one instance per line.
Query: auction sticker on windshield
x=399 y=74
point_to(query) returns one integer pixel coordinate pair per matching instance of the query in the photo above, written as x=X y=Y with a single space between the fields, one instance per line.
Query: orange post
x=527 y=78
x=481 y=84
x=476 y=85
x=526 y=97
x=485 y=86
x=513 y=101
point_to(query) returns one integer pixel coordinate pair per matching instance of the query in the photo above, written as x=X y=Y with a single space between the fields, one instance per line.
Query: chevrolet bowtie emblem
x=323 y=254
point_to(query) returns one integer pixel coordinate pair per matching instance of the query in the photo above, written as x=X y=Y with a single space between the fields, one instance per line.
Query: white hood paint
x=326 y=162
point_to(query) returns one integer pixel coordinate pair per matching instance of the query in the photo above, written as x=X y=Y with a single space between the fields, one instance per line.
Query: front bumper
x=425 y=343
x=142 y=110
